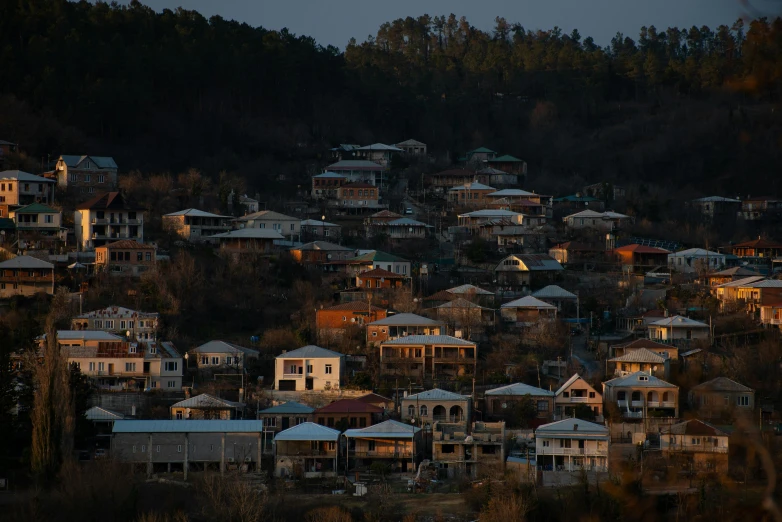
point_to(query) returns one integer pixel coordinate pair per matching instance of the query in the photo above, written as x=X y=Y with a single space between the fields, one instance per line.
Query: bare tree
x=328 y=514
x=231 y=499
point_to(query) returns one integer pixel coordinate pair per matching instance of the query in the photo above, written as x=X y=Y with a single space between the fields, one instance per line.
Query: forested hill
x=170 y=90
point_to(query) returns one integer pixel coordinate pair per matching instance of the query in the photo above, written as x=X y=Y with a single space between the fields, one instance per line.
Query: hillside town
x=457 y=326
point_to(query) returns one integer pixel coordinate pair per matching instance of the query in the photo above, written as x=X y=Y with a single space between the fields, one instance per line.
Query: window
x=328 y=369
x=92 y=366
x=134 y=449
x=332 y=446
x=48 y=218
x=566 y=395
x=143 y=448
x=542 y=405
x=148 y=256
x=743 y=400
x=172 y=366
x=101 y=366
x=696 y=441
x=411 y=411
x=130 y=324
x=546 y=443
x=179 y=448
x=371 y=445
x=424 y=411
x=130 y=367
x=591 y=395
x=374 y=334
x=172 y=384
x=271 y=422
x=291 y=227
x=179 y=415
x=109 y=324
x=309 y=368
x=139 y=256
x=86 y=177
x=122 y=325
x=101 y=178
x=564 y=443
x=216 y=361
x=292 y=369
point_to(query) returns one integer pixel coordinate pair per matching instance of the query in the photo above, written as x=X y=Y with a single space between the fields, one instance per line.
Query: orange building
x=639 y=256
x=125 y=257
x=379 y=278
x=334 y=320
x=319 y=252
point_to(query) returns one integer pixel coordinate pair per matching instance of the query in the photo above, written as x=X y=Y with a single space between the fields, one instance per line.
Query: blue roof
x=288 y=407
x=389 y=429
x=310 y=352
x=188 y=426
x=308 y=431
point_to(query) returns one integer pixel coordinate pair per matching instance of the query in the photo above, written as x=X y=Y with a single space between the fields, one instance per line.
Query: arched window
x=636 y=396
x=411 y=411
x=424 y=411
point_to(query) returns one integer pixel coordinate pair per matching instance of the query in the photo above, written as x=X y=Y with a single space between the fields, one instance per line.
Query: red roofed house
x=105 y=218
x=348 y=413
x=379 y=279
x=758 y=248
x=332 y=321
x=638 y=256
x=125 y=258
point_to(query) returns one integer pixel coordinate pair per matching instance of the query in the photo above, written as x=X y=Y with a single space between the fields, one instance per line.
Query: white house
x=694 y=260
x=268 y=219
x=219 y=355
x=678 y=327
x=107 y=218
x=598 y=220
x=572 y=445
x=309 y=368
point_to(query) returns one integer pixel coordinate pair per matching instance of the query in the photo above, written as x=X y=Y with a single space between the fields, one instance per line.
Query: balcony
x=579 y=399
x=621 y=404
x=633 y=414
x=454 y=360
x=306 y=453
x=292 y=375
x=383 y=454
x=636 y=404
x=116 y=221
x=773 y=321
x=108 y=373
x=695 y=448
x=592 y=452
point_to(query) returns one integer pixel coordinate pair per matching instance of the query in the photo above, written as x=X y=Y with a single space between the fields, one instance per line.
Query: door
x=308 y=383
x=146 y=367
x=286 y=423
x=111 y=368
x=287 y=385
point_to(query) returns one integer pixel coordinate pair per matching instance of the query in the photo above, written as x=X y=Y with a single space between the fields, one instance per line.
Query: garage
x=287 y=385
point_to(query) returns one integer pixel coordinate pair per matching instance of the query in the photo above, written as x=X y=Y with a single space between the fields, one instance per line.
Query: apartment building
x=106 y=218
x=358 y=196
x=26 y=275
x=325 y=185
x=38 y=225
x=428 y=357
x=87 y=174
x=22 y=188
x=468 y=450
x=142 y=326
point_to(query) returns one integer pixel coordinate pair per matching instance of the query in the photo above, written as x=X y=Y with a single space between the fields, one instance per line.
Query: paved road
x=583 y=356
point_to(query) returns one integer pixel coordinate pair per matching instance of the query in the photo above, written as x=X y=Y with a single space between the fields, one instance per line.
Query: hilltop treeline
x=173 y=90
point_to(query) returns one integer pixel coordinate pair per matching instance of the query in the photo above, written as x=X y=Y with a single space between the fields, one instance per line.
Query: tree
x=53 y=416
x=513 y=508
x=522 y=412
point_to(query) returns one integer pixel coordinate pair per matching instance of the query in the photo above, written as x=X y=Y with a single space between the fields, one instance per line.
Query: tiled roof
x=388 y=429
x=206 y=401
x=428 y=339
x=309 y=352
x=349 y=406
x=308 y=431
x=377 y=273
x=642 y=355
x=758 y=243
x=109 y=201
x=287 y=408
x=520 y=388
x=436 y=394
x=722 y=384
x=354 y=306
x=128 y=244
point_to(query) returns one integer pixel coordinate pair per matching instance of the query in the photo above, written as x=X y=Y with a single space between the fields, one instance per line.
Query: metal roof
x=489 y=212
x=116 y=312
x=310 y=352
x=553 y=292
x=639 y=379
x=472 y=186
x=533 y=263
x=20 y=175
x=315 y=222
x=407 y=222
x=694 y=427
x=529 y=302
x=251 y=233
x=505 y=193
x=717 y=199
x=25 y=262
x=722 y=384
x=768 y=283
x=436 y=394
x=461 y=303
x=678 y=321
x=641 y=355
x=480 y=150
x=389 y=429
x=36 y=208
x=218 y=346
x=96 y=413
x=321 y=245
x=266 y=215
x=188 y=426
x=195 y=213
x=330 y=175
x=575 y=377
x=429 y=339
x=308 y=431
x=745 y=281
x=380 y=146
x=571 y=426
x=102 y=162
x=355 y=164
x=206 y=401
x=288 y=407
x=505 y=158
x=520 y=388
x=468 y=289
x=696 y=252
x=87 y=335
x=405 y=319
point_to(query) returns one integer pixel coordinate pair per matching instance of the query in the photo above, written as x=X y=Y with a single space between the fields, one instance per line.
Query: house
x=758 y=248
x=499 y=402
x=332 y=322
x=465 y=317
x=715 y=207
x=22 y=188
x=676 y=328
x=379 y=279
x=102 y=419
x=270 y=220
x=86 y=174
x=638 y=257
x=472 y=220
x=527 y=310
x=320 y=253
x=309 y=368
x=446 y=179
x=205 y=407
x=7 y=149
x=379 y=153
x=576 y=393
x=579 y=201
x=388 y=405
x=729 y=275
x=117 y=365
x=756 y=293
x=771 y=314
x=125 y=258
x=436 y=405
x=348 y=413
x=508 y=163
x=195 y=225
x=728 y=293
x=760 y=208
x=601 y=221
x=412 y=148
x=696 y=261
x=479 y=156
x=172 y=445
x=221 y=356
x=402 y=325
x=366 y=260
x=379 y=219
x=721 y=398
x=557 y=296
x=469 y=292
x=640 y=396
x=666 y=351
x=312 y=228
x=307 y=450
x=37 y=223
x=25 y=275
x=360 y=171
x=524 y=199
x=392 y=442
x=605 y=191
x=248 y=241
x=641 y=360
x=572 y=445
x=283 y=416
x=344 y=151
x=405 y=228
x=325 y=185
x=250 y=204
x=141 y=326
x=695 y=446
x=428 y=357
x=108 y=217
x=472 y=194
x=572 y=252
x=526 y=269
x=468 y=450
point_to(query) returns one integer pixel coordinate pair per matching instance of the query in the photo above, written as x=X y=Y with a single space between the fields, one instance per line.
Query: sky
x=334 y=22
